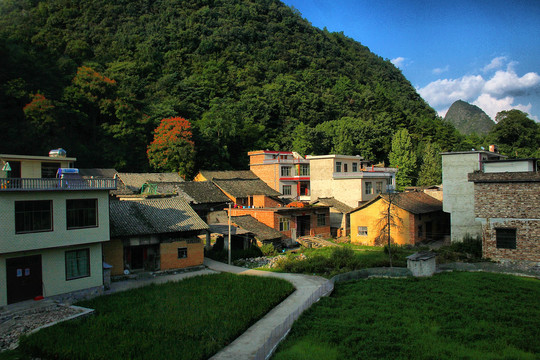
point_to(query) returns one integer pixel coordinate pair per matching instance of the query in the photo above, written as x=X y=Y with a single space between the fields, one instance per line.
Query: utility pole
x=229 y=233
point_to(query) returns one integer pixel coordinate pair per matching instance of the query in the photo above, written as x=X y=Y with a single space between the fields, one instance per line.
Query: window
x=362 y=231
x=321 y=219
x=378 y=188
x=284 y=224
x=338 y=166
x=182 y=253
x=304 y=170
x=355 y=167
x=285 y=171
x=420 y=231
x=345 y=167
x=77 y=264
x=369 y=187
x=49 y=170
x=286 y=189
x=506 y=238
x=81 y=213
x=33 y=216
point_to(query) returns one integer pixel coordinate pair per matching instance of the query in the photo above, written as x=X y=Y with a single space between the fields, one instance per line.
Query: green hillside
x=469 y=119
x=96 y=77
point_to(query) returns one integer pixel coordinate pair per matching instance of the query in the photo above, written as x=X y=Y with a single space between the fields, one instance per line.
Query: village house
x=295 y=220
x=339 y=215
x=154 y=234
x=348 y=179
x=506 y=205
x=459 y=192
x=242 y=187
x=415 y=217
x=52 y=227
x=284 y=171
x=143 y=183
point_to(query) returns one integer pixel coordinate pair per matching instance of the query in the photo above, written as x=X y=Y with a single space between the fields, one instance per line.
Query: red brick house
x=506 y=203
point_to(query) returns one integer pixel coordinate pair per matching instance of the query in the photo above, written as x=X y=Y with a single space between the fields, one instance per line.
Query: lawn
x=448 y=316
x=190 y=319
x=330 y=261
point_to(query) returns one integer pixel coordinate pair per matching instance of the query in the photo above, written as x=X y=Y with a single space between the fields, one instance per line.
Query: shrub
x=268 y=250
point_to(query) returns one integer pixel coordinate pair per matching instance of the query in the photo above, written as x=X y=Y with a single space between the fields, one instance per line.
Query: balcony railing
x=38 y=184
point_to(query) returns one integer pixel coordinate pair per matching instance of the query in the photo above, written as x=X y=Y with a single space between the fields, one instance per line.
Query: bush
x=470 y=249
x=268 y=250
x=223 y=255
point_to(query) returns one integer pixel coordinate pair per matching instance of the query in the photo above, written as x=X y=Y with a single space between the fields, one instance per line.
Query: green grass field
x=447 y=316
x=330 y=261
x=190 y=319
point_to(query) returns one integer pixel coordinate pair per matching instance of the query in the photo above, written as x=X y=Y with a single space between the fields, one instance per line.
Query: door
x=23 y=278
x=303 y=224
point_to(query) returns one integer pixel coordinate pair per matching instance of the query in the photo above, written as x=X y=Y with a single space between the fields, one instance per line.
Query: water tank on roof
x=57 y=153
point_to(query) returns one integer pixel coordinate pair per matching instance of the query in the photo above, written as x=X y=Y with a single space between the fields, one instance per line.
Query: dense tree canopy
x=403 y=157
x=249 y=74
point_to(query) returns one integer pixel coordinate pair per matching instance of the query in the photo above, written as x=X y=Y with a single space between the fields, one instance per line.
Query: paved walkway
x=264 y=335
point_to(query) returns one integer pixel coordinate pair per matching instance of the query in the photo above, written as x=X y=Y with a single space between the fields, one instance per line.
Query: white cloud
x=438 y=71
x=492 y=106
x=492 y=94
x=496 y=63
x=398 y=62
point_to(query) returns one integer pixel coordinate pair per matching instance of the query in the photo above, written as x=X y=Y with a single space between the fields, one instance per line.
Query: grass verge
x=190 y=319
x=448 y=316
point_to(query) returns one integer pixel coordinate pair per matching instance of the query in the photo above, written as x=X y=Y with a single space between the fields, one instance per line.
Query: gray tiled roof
x=262 y=232
x=201 y=192
x=228 y=174
x=153 y=216
x=135 y=181
x=241 y=188
x=416 y=202
x=336 y=204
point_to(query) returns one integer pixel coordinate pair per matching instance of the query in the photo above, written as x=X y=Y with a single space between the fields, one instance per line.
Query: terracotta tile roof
x=153 y=216
x=336 y=204
x=201 y=192
x=262 y=232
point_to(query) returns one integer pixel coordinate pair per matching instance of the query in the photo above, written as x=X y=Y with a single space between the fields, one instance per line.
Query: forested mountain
x=469 y=119
x=96 y=77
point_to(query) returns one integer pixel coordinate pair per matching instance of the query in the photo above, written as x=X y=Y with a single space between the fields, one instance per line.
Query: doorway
x=24 y=279
x=303 y=223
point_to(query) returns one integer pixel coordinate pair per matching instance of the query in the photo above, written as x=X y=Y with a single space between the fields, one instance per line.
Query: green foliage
x=431 y=168
x=470 y=249
x=149 y=322
x=403 y=157
x=248 y=74
x=447 y=316
x=219 y=254
x=516 y=135
x=268 y=250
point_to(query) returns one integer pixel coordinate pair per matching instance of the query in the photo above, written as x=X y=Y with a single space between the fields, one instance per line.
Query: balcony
x=38 y=184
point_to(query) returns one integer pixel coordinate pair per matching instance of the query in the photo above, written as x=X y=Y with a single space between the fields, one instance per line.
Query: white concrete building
x=459 y=192
x=349 y=179
x=52 y=229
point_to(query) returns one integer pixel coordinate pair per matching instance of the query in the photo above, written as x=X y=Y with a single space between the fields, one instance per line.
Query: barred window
x=77 y=264
x=33 y=216
x=182 y=253
x=505 y=238
x=362 y=231
x=284 y=224
x=81 y=213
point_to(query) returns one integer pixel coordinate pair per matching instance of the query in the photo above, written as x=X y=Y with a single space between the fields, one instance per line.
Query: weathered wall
x=113 y=254
x=169 y=255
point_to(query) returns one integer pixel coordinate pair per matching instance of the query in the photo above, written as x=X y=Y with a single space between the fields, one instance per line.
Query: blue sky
x=485 y=52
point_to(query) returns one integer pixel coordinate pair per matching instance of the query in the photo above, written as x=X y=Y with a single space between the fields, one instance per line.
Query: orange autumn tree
x=173 y=148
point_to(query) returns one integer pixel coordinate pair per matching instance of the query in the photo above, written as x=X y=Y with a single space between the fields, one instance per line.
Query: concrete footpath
x=260 y=339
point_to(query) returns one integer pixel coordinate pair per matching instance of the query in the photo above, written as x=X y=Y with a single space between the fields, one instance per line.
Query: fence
x=282 y=330
x=40 y=184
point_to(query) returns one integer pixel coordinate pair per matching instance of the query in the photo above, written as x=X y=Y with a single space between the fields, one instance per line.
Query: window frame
x=506 y=238
x=183 y=251
x=85 y=250
x=369 y=188
x=284 y=224
x=364 y=231
x=321 y=219
x=338 y=166
x=285 y=171
x=80 y=212
x=288 y=192
x=25 y=213
x=378 y=187
x=354 y=167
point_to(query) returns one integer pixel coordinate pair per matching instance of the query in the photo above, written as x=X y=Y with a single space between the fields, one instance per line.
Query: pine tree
x=403 y=157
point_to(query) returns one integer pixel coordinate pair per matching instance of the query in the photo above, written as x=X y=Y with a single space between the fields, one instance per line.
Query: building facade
x=348 y=179
x=459 y=192
x=284 y=171
x=506 y=198
x=52 y=229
